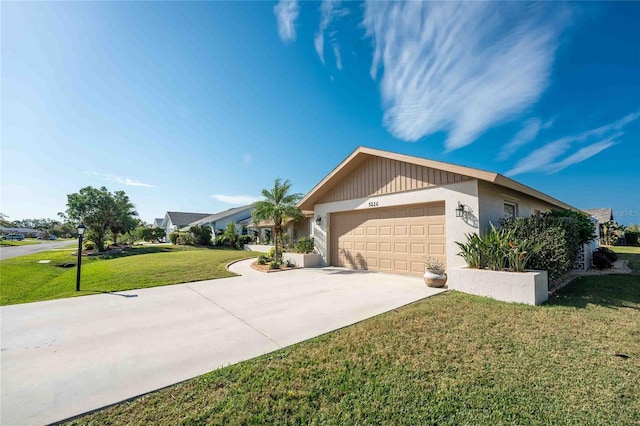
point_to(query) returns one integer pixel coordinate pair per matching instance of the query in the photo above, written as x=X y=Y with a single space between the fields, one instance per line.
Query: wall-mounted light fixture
x=460 y=210
x=318 y=220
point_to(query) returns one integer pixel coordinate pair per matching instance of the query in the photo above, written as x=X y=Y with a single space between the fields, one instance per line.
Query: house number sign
x=373 y=204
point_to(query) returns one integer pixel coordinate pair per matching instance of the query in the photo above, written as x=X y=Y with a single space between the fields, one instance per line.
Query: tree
x=151 y=234
x=124 y=216
x=201 y=235
x=230 y=235
x=277 y=206
x=98 y=210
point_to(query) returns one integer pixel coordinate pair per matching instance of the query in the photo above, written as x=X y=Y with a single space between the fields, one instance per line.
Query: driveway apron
x=65 y=357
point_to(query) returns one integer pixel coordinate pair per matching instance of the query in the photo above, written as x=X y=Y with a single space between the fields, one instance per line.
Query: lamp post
x=80 y=229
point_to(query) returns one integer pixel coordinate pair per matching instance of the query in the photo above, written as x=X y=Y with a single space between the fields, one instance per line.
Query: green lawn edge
x=25 y=280
x=447 y=360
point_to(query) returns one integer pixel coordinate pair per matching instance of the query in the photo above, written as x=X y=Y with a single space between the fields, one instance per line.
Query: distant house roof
x=603 y=215
x=158 y=221
x=21 y=230
x=221 y=215
x=184 y=219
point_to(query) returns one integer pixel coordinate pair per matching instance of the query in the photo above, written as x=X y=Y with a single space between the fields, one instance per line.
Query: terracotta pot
x=435 y=278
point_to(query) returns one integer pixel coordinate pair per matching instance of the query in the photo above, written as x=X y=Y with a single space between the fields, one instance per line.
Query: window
x=510 y=210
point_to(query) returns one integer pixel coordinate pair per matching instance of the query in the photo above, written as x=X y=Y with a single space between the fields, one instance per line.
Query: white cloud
x=287 y=12
x=528 y=133
x=121 y=180
x=236 y=199
x=459 y=67
x=547 y=158
x=330 y=10
x=581 y=155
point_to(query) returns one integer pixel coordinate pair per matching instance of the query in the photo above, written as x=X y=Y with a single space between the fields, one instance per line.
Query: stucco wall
x=456 y=228
x=491 y=202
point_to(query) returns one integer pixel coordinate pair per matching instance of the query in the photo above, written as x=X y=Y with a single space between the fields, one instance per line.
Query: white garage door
x=395 y=240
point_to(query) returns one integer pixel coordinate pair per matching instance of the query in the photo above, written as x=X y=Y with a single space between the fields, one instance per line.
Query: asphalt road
x=7 y=252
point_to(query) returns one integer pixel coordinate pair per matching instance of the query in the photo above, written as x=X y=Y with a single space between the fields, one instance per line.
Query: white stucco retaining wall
x=260 y=248
x=310 y=260
x=531 y=287
x=455 y=227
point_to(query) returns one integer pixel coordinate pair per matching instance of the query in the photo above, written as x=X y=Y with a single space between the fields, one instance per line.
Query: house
x=387 y=212
x=603 y=216
x=239 y=216
x=157 y=222
x=173 y=221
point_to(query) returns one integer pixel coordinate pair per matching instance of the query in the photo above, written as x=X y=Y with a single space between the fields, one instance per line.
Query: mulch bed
x=267 y=269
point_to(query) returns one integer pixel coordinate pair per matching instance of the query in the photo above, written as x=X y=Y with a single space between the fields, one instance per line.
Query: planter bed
x=529 y=287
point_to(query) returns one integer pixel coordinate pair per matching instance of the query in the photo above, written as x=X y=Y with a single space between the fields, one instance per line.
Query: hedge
x=559 y=237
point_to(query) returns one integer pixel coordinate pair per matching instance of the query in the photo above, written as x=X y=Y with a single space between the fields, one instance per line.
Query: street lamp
x=81 y=228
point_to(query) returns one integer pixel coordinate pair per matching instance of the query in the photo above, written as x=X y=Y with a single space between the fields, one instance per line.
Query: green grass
x=25 y=242
x=23 y=279
x=448 y=360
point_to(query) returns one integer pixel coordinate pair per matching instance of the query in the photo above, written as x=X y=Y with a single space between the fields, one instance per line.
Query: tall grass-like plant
x=499 y=249
x=520 y=252
x=471 y=251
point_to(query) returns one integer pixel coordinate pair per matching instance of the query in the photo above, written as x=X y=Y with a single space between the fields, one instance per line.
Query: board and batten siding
x=379 y=176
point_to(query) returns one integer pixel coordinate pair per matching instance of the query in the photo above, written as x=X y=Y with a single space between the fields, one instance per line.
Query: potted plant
x=434 y=275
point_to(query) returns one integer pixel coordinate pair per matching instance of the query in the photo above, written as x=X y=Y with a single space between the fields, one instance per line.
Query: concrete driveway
x=65 y=357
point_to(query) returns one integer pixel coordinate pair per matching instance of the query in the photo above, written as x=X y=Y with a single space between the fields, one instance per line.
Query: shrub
x=274 y=265
x=173 y=237
x=242 y=240
x=272 y=253
x=471 y=251
x=262 y=259
x=585 y=228
x=600 y=260
x=201 y=235
x=611 y=255
x=88 y=245
x=185 y=239
x=219 y=240
x=304 y=245
x=558 y=239
x=632 y=238
x=290 y=264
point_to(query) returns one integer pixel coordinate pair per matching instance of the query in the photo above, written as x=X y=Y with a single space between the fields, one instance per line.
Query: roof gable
x=376 y=175
x=184 y=219
x=418 y=173
x=603 y=215
x=221 y=215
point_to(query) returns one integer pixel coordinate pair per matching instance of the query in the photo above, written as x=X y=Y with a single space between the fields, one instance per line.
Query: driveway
x=65 y=357
x=7 y=252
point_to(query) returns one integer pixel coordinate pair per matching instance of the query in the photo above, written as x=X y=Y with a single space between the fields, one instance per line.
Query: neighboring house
x=22 y=231
x=387 y=212
x=157 y=222
x=603 y=215
x=295 y=229
x=239 y=216
x=173 y=221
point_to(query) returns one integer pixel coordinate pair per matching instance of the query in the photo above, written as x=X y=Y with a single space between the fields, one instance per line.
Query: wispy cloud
x=120 y=179
x=236 y=199
x=460 y=67
x=330 y=10
x=528 y=133
x=547 y=158
x=287 y=12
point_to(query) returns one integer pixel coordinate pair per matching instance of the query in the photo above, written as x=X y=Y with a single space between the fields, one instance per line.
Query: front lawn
x=23 y=279
x=26 y=242
x=450 y=359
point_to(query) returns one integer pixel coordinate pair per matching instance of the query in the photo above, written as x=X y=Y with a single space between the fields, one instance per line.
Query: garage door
x=395 y=240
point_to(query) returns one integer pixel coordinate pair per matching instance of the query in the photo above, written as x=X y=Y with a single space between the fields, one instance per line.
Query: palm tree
x=277 y=206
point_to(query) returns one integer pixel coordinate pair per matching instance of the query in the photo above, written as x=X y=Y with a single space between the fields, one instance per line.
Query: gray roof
x=221 y=215
x=184 y=219
x=603 y=215
x=158 y=221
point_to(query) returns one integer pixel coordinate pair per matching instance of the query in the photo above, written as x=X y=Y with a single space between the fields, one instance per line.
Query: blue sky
x=198 y=106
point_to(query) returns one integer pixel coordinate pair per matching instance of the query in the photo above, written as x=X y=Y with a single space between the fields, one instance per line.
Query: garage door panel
x=393 y=240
